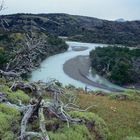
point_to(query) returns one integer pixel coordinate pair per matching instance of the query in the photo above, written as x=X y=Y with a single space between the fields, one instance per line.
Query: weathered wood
x=54 y=108
x=42 y=124
x=26 y=118
x=24 y=122
x=9 y=74
x=22 y=86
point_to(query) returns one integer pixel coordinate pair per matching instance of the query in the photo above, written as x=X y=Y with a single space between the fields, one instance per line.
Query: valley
x=69 y=77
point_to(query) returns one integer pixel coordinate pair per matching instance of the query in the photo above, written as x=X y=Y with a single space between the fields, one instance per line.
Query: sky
x=103 y=9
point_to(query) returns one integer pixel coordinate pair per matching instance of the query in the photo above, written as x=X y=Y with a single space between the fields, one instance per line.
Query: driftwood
x=40 y=109
x=25 y=120
x=9 y=74
x=42 y=123
x=24 y=87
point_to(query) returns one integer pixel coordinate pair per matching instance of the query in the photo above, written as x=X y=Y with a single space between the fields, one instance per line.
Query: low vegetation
x=106 y=119
x=79 y=28
x=121 y=116
x=119 y=65
x=49 y=111
x=22 y=52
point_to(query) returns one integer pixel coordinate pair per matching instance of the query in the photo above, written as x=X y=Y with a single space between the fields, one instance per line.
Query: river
x=52 y=67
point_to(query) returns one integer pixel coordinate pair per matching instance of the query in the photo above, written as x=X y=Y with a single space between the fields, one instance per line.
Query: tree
x=120 y=65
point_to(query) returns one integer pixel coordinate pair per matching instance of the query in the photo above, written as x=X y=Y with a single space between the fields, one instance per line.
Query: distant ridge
x=78 y=28
x=120 y=20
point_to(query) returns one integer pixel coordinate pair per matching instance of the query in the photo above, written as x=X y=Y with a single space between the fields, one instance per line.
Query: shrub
x=132 y=138
x=14 y=97
x=9 y=135
x=75 y=132
x=9 y=110
x=94 y=123
x=9 y=121
x=127 y=95
x=122 y=96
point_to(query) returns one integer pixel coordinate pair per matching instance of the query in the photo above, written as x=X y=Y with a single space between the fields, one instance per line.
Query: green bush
x=14 y=97
x=74 y=132
x=118 y=64
x=97 y=124
x=9 y=121
x=132 y=138
x=122 y=96
x=9 y=110
x=127 y=95
x=9 y=135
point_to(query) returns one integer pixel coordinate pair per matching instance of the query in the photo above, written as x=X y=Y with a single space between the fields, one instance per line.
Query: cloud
x=106 y=9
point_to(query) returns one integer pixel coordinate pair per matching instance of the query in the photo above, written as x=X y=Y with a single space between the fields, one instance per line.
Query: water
x=52 y=67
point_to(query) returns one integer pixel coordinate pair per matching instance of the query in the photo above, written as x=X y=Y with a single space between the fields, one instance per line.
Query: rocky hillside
x=78 y=27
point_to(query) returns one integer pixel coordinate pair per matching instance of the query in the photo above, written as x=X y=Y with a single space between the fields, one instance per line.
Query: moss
x=94 y=123
x=51 y=121
x=9 y=120
x=14 y=97
x=19 y=95
x=122 y=96
x=4 y=122
x=127 y=95
x=2 y=81
x=131 y=91
x=9 y=135
x=121 y=117
x=8 y=110
x=132 y=138
x=74 y=132
x=7 y=123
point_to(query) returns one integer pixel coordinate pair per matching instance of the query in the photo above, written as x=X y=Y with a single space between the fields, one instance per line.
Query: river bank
x=78 y=69
x=64 y=68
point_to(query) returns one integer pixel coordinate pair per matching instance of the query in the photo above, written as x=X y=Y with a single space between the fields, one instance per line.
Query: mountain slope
x=79 y=28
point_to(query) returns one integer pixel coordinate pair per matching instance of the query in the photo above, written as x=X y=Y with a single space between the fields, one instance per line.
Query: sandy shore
x=78 y=68
x=79 y=48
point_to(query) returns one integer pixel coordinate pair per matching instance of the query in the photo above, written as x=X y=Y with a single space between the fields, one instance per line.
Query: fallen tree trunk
x=41 y=109
x=24 y=87
x=9 y=74
x=25 y=120
x=42 y=124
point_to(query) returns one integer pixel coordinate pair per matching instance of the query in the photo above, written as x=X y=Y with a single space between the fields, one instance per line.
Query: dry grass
x=122 y=117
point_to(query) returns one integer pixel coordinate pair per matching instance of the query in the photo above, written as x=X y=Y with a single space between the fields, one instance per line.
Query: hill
x=22 y=52
x=119 y=65
x=79 y=28
x=51 y=111
x=37 y=110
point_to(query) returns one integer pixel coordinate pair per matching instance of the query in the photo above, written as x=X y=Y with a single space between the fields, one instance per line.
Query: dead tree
x=43 y=108
x=28 y=57
x=9 y=74
x=3 y=21
x=25 y=134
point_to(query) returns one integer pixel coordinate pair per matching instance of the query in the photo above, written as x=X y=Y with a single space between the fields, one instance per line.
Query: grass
x=95 y=124
x=75 y=132
x=121 y=117
x=14 y=97
x=9 y=122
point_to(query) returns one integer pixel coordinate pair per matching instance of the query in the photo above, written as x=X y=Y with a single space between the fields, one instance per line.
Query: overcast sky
x=104 y=9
